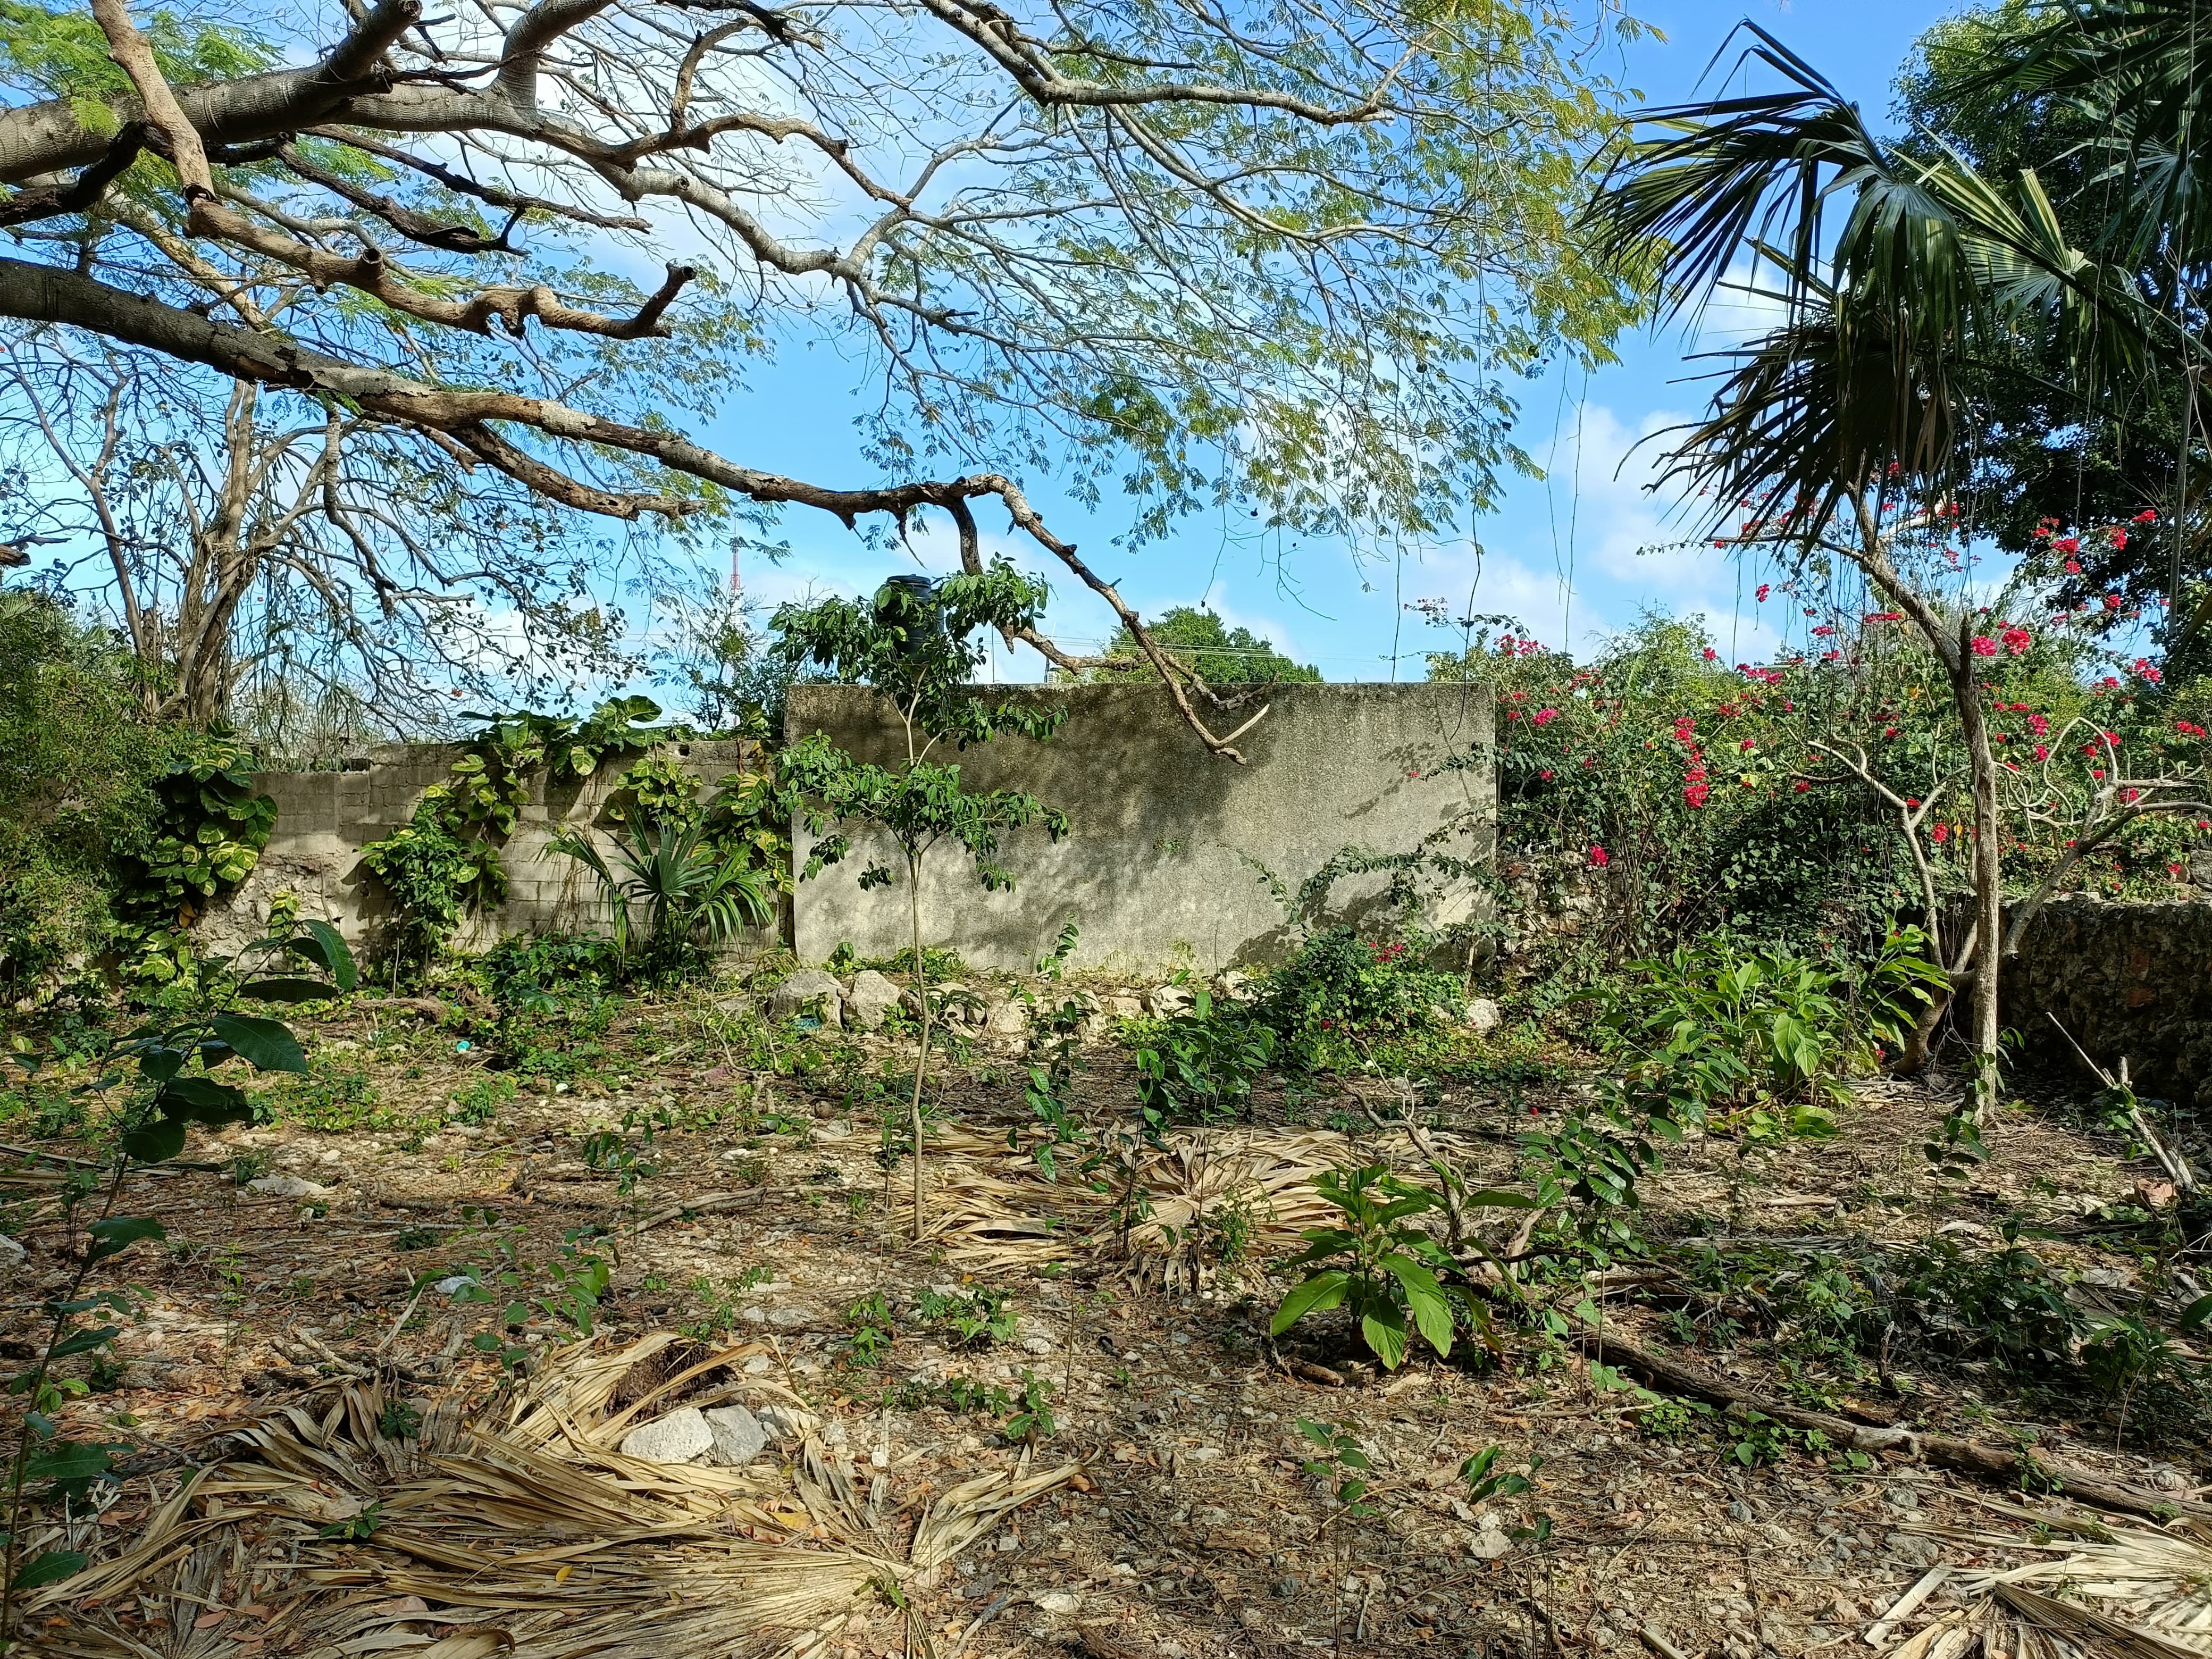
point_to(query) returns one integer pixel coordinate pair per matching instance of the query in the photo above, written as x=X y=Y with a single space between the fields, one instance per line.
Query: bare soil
x=1196 y=1526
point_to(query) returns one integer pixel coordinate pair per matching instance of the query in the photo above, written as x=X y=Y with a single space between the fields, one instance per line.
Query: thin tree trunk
x=1988 y=893
x=921 y=1060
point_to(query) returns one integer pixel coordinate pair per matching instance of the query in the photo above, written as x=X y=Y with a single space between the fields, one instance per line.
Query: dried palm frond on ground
x=2125 y=1591
x=320 y=1537
x=993 y=1208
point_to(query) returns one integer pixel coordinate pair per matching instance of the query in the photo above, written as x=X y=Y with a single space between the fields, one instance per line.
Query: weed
x=355 y=1527
x=874 y=1332
x=249 y=1166
x=977 y=1318
x=478 y=1101
x=417 y=1238
x=1380 y=1267
x=398 y=1420
x=1033 y=1422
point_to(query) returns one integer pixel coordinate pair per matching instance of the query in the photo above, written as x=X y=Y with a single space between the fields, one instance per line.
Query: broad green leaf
x=267 y=1045
x=119 y=1233
x=51 y=1568
x=1323 y=1291
x=157 y=1143
x=1384 y=1327
x=85 y=1341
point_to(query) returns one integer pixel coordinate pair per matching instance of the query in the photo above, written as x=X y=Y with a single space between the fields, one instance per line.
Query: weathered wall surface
x=1159 y=866
x=2132 y=980
x=324 y=818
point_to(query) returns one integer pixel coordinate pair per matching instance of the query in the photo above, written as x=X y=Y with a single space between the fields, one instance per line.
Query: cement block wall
x=2125 y=980
x=324 y=819
x=1158 y=868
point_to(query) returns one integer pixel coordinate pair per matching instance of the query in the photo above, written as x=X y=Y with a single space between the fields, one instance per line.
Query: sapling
x=915 y=644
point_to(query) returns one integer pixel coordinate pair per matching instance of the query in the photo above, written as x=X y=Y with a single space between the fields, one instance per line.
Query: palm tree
x=688 y=887
x=1843 y=432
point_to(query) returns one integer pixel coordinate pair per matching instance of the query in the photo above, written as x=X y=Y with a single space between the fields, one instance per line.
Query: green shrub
x=531 y=973
x=1340 y=995
x=1200 y=1063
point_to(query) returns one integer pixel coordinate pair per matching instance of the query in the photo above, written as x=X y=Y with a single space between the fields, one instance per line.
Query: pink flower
x=1545 y=716
x=1940 y=834
x=1697 y=793
x=2042 y=753
x=1765 y=588
x=2068 y=545
x=2073 y=567
x=2131 y=795
x=1984 y=646
x=2038 y=724
x=1545 y=774
x=1600 y=857
x=1711 y=653
x=1800 y=786
x=2016 y=640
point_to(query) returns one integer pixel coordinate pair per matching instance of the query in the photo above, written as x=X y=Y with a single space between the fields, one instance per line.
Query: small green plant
x=362 y=1524
x=398 y=1420
x=691 y=889
x=1485 y=1481
x=1033 y=1422
x=977 y=1318
x=1201 y=1064
x=416 y=1238
x=1378 y=1265
x=478 y=1100
x=1339 y=1463
x=874 y=1330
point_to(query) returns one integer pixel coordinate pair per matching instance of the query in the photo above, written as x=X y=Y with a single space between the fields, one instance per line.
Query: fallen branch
x=1966 y=1456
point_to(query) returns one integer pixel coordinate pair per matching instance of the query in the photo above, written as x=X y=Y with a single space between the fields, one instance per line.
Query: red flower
x=2073 y=567
x=2112 y=602
x=1765 y=588
x=2038 y=724
x=2068 y=545
x=1545 y=774
x=1984 y=646
x=1697 y=793
x=2147 y=516
x=1800 y=786
x=1600 y=857
x=1545 y=716
x=1940 y=834
x=2119 y=540
x=2042 y=753
x=2016 y=640
x=1711 y=653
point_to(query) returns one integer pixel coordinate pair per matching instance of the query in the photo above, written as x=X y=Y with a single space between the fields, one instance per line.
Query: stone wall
x=324 y=819
x=2125 y=980
x=1162 y=864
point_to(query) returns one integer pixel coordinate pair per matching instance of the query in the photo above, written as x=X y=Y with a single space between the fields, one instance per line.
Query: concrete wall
x=2132 y=980
x=1158 y=867
x=324 y=818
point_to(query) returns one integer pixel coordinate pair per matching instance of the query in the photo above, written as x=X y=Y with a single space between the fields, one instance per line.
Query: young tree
x=1267 y=258
x=914 y=644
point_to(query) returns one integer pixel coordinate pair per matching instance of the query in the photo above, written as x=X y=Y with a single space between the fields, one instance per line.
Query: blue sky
x=1563 y=553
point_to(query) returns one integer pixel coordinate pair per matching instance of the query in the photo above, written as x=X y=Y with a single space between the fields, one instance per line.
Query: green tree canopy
x=1220 y=655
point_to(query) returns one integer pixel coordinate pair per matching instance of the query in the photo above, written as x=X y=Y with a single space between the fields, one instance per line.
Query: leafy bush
x=1200 y=1063
x=530 y=972
x=1341 y=994
x=433 y=876
x=209 y=831
x=77 y=769
x=1719 y=1028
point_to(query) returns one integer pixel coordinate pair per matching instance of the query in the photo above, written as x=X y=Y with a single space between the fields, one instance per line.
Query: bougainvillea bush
x=1659 y=794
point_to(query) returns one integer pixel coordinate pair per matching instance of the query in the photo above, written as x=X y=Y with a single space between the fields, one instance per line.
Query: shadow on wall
x=1174 y=857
